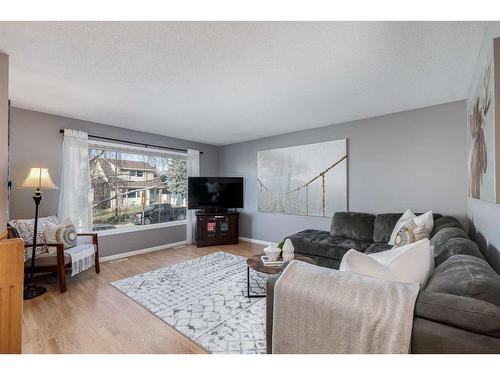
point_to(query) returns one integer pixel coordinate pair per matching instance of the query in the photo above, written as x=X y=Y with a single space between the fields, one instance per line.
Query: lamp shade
x=39 y=178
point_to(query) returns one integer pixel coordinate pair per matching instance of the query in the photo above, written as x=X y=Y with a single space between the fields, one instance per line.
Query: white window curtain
x=193 y=170
x=75 y=200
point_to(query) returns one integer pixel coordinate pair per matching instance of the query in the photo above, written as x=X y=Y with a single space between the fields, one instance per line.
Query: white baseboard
x=255 y=241
x=141 y=251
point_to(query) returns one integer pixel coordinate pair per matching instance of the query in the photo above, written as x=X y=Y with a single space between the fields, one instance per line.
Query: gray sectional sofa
x=459 y=309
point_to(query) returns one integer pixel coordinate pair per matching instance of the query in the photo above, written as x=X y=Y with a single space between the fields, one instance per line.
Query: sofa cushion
x=325 y=262
x=47 y=260
x=353 y=225
x=466 y=276
x=383 y=226
x=446 y=234
x=429 y=337
x=377 y=247
x=445 y=222
x=321 y=243
x=455 y=246
x=462 y=312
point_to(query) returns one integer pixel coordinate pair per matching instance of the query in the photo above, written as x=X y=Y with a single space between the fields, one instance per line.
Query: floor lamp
x=38 y=178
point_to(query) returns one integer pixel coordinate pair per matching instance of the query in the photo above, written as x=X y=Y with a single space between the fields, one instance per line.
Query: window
x=133 y=194
x=136 y=187
x=136 y=173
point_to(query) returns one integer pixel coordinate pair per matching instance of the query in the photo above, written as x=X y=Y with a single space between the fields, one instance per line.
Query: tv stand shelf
x=216 y=228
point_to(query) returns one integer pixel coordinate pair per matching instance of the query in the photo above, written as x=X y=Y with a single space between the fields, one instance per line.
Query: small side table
x=255 y=263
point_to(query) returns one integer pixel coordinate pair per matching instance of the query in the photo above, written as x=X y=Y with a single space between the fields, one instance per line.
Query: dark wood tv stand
x=216 y=228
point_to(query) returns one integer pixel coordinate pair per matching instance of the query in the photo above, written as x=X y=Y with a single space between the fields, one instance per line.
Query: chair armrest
x=93 y=235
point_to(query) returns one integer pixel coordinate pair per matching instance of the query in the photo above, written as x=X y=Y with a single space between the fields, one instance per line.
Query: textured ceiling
x=225 y=82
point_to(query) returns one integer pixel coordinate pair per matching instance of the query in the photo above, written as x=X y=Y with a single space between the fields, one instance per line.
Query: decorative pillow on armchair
x=411 y=263
x=25 y=228
x=64 y=234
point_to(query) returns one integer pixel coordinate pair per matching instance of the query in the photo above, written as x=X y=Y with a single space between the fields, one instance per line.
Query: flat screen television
x=215 y=193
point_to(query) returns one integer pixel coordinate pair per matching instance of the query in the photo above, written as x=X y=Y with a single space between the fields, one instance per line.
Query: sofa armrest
x=271 y=282
x=466 y=313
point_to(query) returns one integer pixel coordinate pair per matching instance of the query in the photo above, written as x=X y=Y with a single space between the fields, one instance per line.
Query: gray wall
x=35 y=140
x=414 y=159
x=4 y=131
x=485 y=216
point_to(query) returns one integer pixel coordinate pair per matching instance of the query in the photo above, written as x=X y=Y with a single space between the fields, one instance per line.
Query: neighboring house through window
x=132 y=186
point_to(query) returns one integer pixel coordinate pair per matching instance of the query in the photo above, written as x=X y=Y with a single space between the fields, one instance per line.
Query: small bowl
x=272 y=253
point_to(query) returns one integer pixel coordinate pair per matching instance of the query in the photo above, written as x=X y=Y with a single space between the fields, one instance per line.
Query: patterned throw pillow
x=64 y=233
x=25 y=228
x=409 y=233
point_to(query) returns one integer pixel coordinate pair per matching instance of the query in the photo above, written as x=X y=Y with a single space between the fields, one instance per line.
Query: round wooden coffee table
x=255 y=263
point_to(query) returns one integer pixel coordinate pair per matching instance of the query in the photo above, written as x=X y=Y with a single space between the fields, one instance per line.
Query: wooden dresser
x=11 y=295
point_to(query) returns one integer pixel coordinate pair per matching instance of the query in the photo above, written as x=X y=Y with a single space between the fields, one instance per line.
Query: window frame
x=136 y=228
x=139 y=228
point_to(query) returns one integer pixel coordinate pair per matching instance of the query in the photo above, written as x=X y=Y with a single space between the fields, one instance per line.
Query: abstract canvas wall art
x=484 y=130
x=308 y=180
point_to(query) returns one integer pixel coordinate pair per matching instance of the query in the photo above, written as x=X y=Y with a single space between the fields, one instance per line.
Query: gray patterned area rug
x=204 y=299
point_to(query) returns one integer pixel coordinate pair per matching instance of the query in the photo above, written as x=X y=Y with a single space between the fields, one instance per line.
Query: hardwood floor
x=93 y=317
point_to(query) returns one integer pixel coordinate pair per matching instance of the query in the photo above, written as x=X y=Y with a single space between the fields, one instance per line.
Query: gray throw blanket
x=320 y=310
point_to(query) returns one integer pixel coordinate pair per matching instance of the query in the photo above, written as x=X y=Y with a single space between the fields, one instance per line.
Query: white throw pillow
x=411 y=263
x=402 y=221
x=425 y=219
x=64 y=233
x=362 y=264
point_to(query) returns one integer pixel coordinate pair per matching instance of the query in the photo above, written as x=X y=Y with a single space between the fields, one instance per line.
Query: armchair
x=58 y=263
